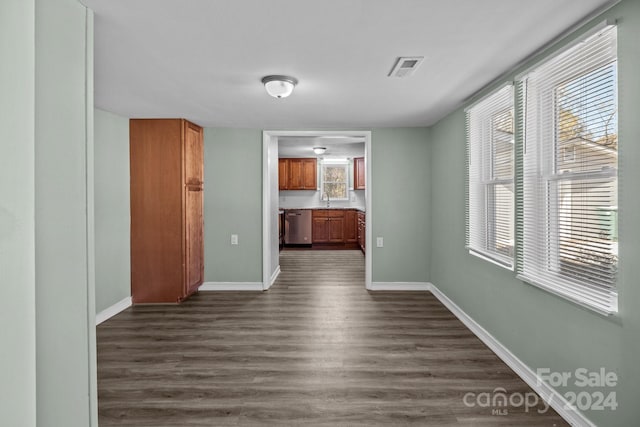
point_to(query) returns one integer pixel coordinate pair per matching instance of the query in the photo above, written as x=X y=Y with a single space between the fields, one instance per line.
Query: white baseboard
x=274 y=276
x=231 y=286
x=116 y=308
x=400 y=286
x=528 y=375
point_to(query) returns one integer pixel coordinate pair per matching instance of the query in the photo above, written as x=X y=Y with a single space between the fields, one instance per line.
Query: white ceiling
x=337 y=146
x=203 y=59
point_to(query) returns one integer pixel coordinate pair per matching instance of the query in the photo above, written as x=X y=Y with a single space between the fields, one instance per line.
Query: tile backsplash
x=311 y=199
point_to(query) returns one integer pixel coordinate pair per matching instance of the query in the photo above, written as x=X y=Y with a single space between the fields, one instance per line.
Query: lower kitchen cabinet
x=328 y=226
x=336 y=230
x=320 y=230
x=362 y=228
x=351 y=226
x=337 y=226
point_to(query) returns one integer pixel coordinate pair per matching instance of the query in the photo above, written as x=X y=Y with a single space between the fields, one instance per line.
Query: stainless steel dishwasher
x=297 y=223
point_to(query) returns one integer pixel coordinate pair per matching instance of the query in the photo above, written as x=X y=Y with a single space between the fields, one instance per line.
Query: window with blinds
x=490 y=169
x=569 y=197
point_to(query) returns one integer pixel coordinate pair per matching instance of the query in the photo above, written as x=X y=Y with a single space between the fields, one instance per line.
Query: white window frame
x=334 y=163
x=481 y=214
x=539 y=261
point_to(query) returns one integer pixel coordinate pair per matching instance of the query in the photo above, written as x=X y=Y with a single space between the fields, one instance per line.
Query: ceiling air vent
x=406 y=66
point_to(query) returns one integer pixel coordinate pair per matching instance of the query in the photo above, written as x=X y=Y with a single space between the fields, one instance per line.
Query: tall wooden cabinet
x=167 y=245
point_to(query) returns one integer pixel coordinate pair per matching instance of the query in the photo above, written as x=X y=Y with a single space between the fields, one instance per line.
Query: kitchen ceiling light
x=319 y=150
x=279 y=86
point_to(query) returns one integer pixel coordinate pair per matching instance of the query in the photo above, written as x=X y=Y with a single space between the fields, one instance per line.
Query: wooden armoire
x=167 y=245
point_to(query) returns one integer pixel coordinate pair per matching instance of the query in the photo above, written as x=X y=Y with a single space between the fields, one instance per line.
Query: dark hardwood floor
x=316 y=349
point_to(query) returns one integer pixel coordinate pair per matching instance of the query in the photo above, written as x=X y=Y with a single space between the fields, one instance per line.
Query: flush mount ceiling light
x=279 y=86
x=319 y=150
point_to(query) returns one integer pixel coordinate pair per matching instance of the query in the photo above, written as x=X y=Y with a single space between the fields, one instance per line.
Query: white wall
x=65 y=300
x=47 y=361
x=17 y=224
x=272 y=157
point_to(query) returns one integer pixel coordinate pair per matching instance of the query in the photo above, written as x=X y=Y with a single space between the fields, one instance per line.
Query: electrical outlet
x=379 y=242
x=234 y=239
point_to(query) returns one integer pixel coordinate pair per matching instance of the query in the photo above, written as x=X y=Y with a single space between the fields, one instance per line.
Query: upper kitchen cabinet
x=167 y=245
x=301 y=174
x=359 y=173
x=283 y=174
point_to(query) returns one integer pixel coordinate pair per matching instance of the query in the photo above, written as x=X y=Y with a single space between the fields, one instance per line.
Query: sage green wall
x=232 y=205
x=65 y=311
x=543 y=330
x=112 y=215
x=401 y=187
x=17 y=235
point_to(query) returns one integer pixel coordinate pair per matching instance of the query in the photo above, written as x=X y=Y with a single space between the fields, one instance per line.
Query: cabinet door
x=309 y=174
x=320 y=232
x=358 y=173
x=336 y=230
x=361 y=230
x=283 y=174
x=350 y=227
x=364 y=235
x=157 y=210
x=193 y=206
x=193 y=155
x=295 y=174
x=194 y=263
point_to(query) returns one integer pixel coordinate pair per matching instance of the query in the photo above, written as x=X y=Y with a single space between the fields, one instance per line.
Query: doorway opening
x=339 y=150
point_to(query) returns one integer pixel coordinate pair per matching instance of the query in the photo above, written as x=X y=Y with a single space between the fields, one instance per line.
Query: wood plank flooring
x=315 y=350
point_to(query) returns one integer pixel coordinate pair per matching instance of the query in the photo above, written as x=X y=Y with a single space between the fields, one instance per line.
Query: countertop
x=343 y=208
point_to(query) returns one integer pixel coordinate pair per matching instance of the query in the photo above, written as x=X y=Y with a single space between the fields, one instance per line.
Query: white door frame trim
x=266 y=195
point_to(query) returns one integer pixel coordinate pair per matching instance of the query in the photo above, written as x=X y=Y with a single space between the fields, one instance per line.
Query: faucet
x=328 y=199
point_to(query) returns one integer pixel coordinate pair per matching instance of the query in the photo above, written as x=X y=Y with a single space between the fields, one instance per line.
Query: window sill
x=582 y=302
x=503 y=264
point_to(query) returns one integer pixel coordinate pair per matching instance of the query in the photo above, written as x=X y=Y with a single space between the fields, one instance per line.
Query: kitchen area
x=321 y=183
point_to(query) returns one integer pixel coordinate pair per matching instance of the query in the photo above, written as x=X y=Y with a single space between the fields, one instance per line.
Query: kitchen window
x=569 y=198
x=490 y=168
x=335 y=179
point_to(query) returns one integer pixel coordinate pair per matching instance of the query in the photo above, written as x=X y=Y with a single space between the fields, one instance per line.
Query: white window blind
x=490 y=170
x=569 y=174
